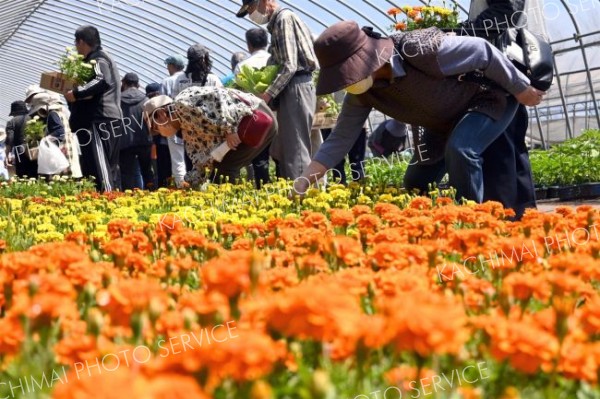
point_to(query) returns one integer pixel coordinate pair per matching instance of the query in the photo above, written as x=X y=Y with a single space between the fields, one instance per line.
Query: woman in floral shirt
x=208 y=117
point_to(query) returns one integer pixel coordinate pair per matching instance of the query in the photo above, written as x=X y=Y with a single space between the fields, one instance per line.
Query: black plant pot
x=590 y=190
x=541 y=193
x=568 y=193
x=552 y=192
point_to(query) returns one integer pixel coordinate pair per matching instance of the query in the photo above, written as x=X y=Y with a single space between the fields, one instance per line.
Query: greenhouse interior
x=250 y=199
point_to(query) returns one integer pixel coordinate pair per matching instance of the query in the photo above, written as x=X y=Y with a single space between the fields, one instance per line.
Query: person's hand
x=70 y=97
x=266 y=97
x=233 y=140
x=530 y=96
x=8 y=162
x=300 y=187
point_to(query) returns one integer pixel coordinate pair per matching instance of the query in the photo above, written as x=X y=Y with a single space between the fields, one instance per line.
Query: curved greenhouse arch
x=140 y=34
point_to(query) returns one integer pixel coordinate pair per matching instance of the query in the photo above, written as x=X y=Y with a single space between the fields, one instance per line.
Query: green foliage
x=59 y=186
x=574 y=161
x=35 y=130
x=72 y=65
x=256 y=81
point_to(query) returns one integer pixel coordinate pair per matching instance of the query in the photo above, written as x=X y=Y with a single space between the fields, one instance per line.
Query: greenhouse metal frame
x=140 y=34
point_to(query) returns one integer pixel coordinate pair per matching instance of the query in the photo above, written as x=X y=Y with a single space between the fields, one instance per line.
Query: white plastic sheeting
x=139 y=34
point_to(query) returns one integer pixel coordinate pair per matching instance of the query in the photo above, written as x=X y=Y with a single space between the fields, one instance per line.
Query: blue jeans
x=463 y=160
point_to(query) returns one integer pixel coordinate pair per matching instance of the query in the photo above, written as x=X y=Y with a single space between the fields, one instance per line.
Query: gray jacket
x=99 y=99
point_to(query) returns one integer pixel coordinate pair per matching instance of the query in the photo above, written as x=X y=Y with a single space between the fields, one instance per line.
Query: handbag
x=530 y=53
x=253 y=129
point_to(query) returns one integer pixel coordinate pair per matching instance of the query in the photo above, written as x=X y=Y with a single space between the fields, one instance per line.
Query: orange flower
x=229 y=274
x=341 y=217
x=348 y=250
x=527 y=346
x=400 y=26
x=367 y=223
x=399 y=256
x=425 y=323
x=406 y=377
x=394 y=11
x=317 y=311
x=128 y=297
x=11 y=335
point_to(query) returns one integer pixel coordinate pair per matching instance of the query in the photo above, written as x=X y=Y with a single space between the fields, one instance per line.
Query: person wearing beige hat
x=424 y=78
x=48 y=108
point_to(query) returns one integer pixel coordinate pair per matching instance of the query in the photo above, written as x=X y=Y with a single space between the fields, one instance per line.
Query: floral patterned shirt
x=207 y=115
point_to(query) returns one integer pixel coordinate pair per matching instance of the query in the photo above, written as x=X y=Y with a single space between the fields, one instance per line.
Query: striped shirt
x=291 y=48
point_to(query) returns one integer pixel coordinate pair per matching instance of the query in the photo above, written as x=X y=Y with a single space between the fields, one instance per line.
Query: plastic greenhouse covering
x=140 y=34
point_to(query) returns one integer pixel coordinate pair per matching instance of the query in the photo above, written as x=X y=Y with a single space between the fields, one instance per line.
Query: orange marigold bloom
x=394 y=11
x=341 y=217
x=367 y=223
x=400 y=256
x=12 y=335
x=421 y=203
x=314 y=311
x=590 y=315
x=404 y=375
x=348 y=250
x=119 y=227
x=524 y=286
x=527 y=346
x=228 y=274
x=44 y=298
x=425 y=323
x=358 y=210
x=579 y=360
x=400 y=26
x=121 y=300
x=127 y=383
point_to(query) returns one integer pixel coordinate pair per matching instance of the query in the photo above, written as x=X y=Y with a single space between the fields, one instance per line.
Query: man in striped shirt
x=292 y=92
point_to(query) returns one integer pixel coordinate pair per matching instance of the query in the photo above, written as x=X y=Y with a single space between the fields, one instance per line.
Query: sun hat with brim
x=39 y=102
x=347 y=54
x=244 y=10
x=155 y=103
x=33 y=90
x=18 y=108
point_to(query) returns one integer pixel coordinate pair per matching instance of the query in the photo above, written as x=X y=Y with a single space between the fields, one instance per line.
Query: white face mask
x=259 y=18
x=360 y=87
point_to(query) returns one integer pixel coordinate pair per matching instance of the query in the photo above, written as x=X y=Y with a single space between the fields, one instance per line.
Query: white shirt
x=175 y=83
x=257 y=60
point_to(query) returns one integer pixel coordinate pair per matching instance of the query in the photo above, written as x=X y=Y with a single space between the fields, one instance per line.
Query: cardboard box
x=57 y=82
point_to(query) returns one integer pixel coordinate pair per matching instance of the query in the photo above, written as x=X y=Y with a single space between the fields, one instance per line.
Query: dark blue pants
x=485 y=159
x=507 y=171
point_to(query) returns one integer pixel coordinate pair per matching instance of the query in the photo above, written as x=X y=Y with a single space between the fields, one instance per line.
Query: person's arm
x=55 y=126
x=96 y=86
x=10 y=135
x=288 y=49
x=347 y=129
x=462 y=54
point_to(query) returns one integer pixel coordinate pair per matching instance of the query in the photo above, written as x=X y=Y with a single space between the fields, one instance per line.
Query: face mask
x=259 y=18
x=360 y=87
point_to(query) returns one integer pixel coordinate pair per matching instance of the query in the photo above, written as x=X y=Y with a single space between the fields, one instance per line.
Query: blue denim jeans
x=463 y=159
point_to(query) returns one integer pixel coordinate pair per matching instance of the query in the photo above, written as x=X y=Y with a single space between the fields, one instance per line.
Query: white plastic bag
x=51 y=160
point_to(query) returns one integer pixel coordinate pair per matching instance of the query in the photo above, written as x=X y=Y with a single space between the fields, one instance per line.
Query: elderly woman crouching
x=213 y=121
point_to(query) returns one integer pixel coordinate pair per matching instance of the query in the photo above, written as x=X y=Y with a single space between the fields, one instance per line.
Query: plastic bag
x=51 y=160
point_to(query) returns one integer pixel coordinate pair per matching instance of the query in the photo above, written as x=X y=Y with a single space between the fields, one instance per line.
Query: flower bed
x=353 y=291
